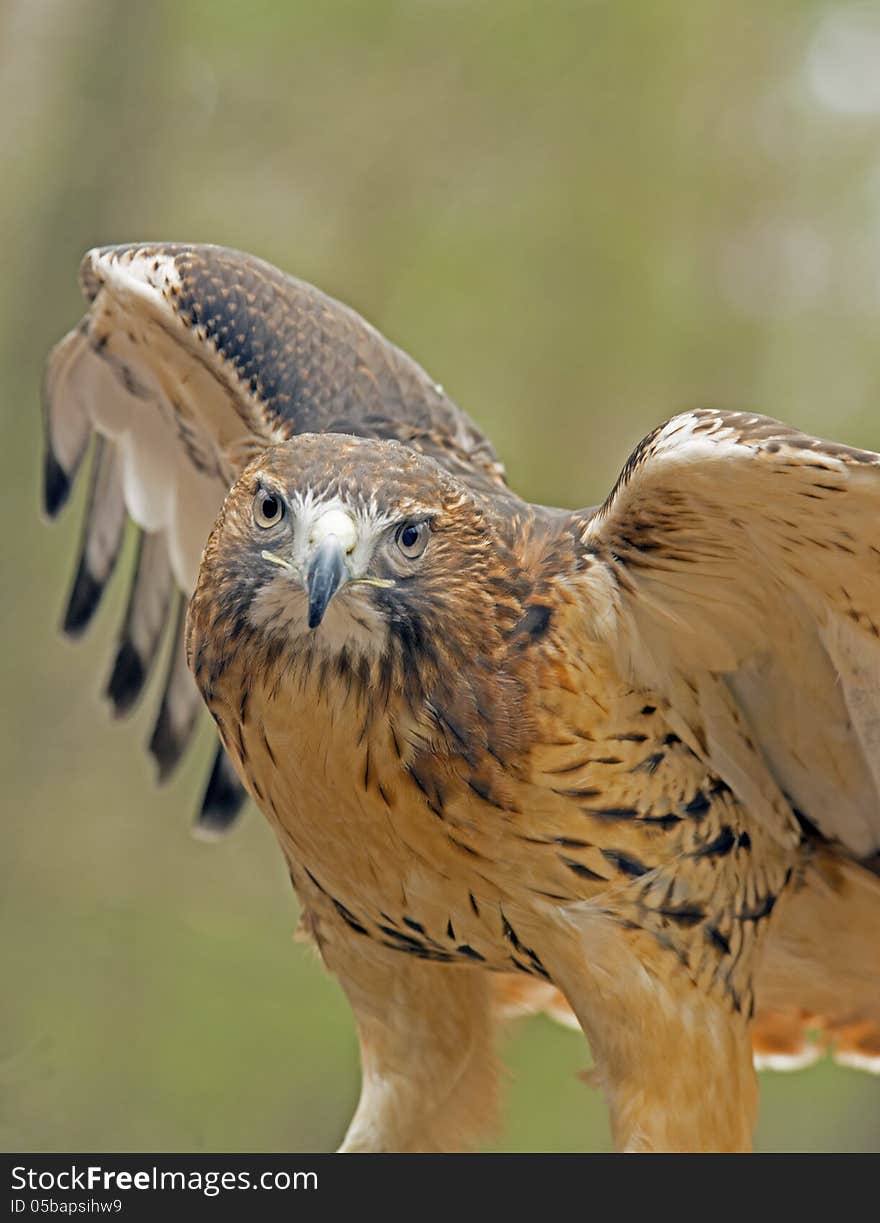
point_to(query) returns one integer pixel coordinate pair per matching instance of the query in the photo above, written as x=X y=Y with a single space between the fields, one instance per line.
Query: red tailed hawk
x=620 y=763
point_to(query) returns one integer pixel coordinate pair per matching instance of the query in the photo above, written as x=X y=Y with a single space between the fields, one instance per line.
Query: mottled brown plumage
x=626 y=758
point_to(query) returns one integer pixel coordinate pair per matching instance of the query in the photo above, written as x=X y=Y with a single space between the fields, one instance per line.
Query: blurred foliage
x=582 y=217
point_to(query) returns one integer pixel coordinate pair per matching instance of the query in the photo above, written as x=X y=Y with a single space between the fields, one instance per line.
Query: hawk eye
x=268 y=509
x=412 y=539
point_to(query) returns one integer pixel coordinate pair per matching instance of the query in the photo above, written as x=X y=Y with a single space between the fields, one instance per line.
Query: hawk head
x=342 y=545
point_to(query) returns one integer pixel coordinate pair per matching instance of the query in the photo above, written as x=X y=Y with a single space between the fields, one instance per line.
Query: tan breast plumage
x=451 y=859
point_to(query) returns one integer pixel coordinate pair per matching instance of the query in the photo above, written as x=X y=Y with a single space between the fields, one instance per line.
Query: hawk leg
x=659 y=973
x=427 y=1063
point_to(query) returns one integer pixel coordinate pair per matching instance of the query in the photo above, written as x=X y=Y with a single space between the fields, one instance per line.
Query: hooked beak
x=326 y=573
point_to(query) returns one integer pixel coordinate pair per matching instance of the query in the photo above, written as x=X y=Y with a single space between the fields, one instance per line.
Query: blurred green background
x=581 y=217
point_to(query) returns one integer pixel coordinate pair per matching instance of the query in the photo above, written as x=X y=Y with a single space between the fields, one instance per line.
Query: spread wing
x=735 y=570
x=190 y=360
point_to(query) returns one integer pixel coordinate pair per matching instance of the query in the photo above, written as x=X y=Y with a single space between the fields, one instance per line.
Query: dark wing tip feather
x=142 y=628
x=166 y=745
x=224 y=798
x=56 y=485
x=84 y=599
x=127 y=679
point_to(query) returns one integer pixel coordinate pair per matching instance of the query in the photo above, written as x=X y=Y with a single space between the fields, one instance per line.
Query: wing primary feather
x=56 y=485
x=224 y=798
x=145 y=618
x=101 y=539
x=180 y=706
x=67 y=426
x=85 y=595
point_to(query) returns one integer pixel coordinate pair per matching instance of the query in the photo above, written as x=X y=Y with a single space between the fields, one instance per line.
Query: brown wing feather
x=189 y=361
x=734 y=571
